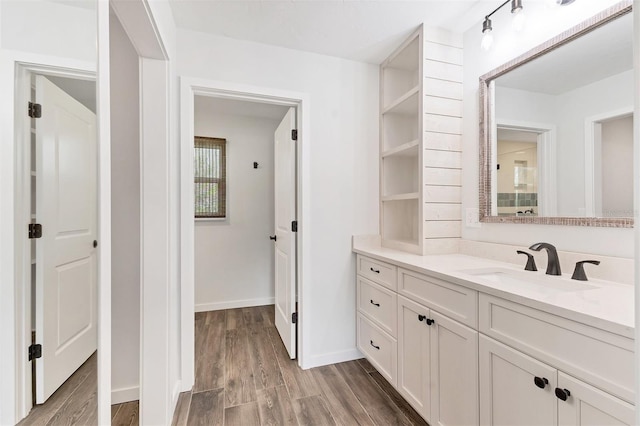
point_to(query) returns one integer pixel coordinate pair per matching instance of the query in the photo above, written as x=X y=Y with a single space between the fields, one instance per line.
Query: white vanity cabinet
x=431 y=358
x=565 y=351
x=461 y=356
x=516 y=389
x=437 y=365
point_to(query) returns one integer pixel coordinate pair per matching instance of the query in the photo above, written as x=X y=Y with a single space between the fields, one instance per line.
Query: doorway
x=191 y=89
x=245 y=206
x=57 y=146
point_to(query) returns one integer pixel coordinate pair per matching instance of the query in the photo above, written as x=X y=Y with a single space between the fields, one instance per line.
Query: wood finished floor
x=74 y=403
x=245 y=377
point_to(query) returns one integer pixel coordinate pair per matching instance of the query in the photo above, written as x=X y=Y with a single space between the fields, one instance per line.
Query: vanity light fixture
x=518 y=21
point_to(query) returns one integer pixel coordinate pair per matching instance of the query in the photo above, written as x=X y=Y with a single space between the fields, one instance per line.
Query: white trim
x=593 y=168
x=119 y=396
x=547 y=168
x=334 y=358
x=233 y=304
x=189 y=88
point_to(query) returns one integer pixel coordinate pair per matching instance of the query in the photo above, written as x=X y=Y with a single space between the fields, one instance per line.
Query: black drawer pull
x=429 y=321
x=377 y=271
x=562 y=393
x=374 y=303
x=371 y=342
x=540 y=382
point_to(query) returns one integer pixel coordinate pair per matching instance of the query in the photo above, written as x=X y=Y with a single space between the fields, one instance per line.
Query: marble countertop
x=602 y=304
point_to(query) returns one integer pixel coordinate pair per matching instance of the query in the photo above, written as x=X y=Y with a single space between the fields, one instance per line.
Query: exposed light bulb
x=487 y=40
x=518 y=20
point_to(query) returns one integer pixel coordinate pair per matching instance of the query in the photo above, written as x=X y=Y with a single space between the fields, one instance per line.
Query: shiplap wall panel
x=443 y=71
x=442 y=141
x=442 y=106
x=442 y=211
x=442 y=159
x=442 y=88
x=443 y=177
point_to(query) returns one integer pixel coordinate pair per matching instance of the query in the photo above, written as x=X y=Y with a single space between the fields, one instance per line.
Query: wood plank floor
x=245 y=377
x=74 y=403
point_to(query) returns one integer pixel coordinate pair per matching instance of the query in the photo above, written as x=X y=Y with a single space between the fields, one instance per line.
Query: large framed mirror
x=556 y=129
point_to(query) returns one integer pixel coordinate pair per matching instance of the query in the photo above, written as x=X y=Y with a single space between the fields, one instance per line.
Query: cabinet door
x=509 y=394
x=413 y=355
x=586 y=405
x=454 y=373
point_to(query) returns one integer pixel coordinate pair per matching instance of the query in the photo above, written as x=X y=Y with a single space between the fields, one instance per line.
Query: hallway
x=245 y=377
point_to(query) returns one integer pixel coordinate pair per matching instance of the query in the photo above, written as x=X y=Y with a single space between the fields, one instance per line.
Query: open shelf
x=400 y=197
x=401 y=217
x=400 y=73
x=398 y=130
x=409 y=149
x=406 y=104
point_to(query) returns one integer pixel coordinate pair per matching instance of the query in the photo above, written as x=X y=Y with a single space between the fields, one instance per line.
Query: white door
x=65 y=255
x=588 y=406
x=454 y=373
x=285 y=243
x=515 y=389
x=414 y=375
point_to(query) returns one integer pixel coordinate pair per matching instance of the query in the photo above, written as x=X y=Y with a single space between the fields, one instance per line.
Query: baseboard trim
x=119 y=396
x=232 y=304
x=332 y=358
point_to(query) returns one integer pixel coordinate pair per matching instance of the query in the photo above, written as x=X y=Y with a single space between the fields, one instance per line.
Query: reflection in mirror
x=557 y=128
x=51 y=46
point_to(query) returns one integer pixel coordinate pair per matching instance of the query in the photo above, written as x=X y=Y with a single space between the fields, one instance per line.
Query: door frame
x=547 y=168
x=189 y=88
x=593 y=168
x=15 y=391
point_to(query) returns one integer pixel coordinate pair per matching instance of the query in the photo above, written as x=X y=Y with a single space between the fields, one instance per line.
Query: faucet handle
x=531 y=261
x=578 y=272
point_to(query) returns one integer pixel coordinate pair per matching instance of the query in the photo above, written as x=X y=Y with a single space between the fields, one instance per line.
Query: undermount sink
x=525 y=279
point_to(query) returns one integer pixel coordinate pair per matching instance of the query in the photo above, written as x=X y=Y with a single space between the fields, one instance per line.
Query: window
x=210 y=177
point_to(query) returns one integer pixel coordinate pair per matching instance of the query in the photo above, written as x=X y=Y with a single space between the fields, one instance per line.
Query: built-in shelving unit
x=420 y=143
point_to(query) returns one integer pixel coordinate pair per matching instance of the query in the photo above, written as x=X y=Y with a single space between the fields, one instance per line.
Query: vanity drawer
x=378 y=271
x=379 y=348
x=379 y=304
x=600 y=358
x=456 y=302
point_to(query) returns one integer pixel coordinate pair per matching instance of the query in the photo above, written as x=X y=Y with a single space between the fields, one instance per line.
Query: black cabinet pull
x=374 y=303
x=429 y=321
x=541 y=382
x=562 y=393
x=371 y=342
x=377 y=271
x=95 y=243
x=273 y=237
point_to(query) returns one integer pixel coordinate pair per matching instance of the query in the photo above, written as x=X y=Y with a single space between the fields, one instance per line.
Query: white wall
x=50 y=28
x=542 y=24
x=234 y=257
x=617 y=166
x=344 y=164
x=125 y=216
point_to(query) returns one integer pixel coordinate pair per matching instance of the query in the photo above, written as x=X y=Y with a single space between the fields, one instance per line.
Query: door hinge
x=294 y=134
x=35 y=110
x=294 y=318
x=294 y=226
x=35 y=230
x=35 y=351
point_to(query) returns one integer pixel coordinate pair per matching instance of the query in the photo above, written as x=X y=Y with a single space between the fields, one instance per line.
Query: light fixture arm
x=497 y=9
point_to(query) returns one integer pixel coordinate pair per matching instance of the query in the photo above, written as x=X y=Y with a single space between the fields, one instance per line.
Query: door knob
x=273 y=237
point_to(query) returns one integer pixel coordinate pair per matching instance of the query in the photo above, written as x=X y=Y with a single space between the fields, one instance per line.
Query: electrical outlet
x=472 y=218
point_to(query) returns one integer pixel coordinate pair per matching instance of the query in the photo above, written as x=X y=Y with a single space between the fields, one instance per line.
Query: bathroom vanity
x=466 y=340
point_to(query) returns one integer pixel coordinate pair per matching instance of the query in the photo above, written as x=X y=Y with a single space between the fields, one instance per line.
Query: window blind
x=210 y=180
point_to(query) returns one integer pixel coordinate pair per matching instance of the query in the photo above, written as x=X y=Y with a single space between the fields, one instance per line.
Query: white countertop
x=609 y=306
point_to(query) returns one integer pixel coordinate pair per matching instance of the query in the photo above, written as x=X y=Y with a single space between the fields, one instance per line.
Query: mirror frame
x=486 y=124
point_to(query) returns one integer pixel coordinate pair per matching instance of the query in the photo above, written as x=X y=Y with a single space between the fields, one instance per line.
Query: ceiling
x=602 y=53
x=362 y=30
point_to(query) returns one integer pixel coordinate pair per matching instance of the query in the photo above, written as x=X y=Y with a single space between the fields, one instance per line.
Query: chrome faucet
x=553 y=263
